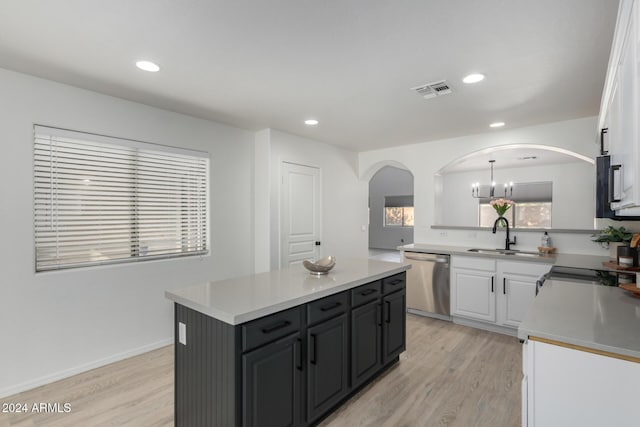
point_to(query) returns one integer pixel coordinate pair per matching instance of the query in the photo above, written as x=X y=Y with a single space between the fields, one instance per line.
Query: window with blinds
x=100 y=200
x=398 y=211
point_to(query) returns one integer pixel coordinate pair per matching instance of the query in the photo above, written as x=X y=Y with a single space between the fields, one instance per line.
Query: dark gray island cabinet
x=290 y=367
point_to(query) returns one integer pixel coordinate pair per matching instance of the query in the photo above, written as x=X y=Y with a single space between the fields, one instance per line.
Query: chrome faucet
x=507 y=242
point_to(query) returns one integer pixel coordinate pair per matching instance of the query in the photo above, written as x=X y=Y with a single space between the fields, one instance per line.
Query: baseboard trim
x=485 y=326
x=428 y=314
x=47 y=379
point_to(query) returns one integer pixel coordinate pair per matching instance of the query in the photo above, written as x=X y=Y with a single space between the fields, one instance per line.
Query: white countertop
x=597 y=317
x=593 y=262
x=242 y=299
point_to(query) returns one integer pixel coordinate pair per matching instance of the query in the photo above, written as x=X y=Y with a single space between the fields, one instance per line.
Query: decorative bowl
x=321 y=266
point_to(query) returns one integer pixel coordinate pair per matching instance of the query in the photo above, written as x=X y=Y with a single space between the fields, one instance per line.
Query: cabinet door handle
x=313 y=351
x=395 y=282
x=612 y=177
x=504 y=285
x=297 y=354
x=276 y=327
x=388 y=311
x=492 y=284
x=367 y=292
x=602 y=150
x=330 y=306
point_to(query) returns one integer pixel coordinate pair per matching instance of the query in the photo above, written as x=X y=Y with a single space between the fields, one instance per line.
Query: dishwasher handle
x=426 y=257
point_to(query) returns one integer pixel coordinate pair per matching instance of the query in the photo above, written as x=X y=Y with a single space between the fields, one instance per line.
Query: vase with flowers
x=501 y=206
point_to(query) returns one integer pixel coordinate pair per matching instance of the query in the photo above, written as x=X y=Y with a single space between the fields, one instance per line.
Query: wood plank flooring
x=450 y=375
x=134 y=392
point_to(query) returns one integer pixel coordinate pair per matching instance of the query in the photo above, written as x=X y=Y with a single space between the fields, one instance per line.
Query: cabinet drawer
x=326 y=308
x=270 y=328
x=475 y=263
x=365 y=293
x=393 y=283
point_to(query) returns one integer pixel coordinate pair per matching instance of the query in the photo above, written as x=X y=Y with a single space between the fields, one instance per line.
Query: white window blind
x=104 y=200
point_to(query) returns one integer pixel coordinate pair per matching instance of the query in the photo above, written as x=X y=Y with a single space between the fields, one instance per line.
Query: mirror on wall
x=551 y=188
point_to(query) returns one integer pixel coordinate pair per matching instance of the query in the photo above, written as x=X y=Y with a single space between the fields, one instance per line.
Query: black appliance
x=603 y=191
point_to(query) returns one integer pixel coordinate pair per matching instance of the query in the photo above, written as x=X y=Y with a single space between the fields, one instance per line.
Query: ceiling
x=348 y=63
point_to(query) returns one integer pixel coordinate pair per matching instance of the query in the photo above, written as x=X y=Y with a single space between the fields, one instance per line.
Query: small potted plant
x=613 y=237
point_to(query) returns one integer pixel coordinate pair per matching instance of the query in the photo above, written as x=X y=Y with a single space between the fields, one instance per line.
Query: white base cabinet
x=569 y=387
x=473 y=282
x=518 y=292
x=493 y=291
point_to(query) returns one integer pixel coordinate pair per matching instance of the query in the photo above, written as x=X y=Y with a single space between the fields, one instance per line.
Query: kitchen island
x=581 y=356
x=284 y=347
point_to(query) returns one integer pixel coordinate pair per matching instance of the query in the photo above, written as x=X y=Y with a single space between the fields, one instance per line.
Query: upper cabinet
x=620 y=111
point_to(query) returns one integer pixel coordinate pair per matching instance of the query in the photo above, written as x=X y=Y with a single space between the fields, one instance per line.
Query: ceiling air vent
x=431 y=90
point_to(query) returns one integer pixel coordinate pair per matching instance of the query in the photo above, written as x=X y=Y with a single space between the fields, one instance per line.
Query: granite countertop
x=597 y=317
x=593 y=262
x=239 y=300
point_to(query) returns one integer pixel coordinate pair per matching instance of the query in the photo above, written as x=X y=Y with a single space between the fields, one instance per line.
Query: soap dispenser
x=545 y=242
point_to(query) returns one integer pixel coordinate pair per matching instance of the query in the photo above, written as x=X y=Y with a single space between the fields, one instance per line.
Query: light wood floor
x=450 y=375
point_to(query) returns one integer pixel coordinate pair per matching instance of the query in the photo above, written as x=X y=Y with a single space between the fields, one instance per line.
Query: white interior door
x=299 y=214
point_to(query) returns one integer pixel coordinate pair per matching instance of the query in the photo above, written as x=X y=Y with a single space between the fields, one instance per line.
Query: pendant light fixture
x=475 y=187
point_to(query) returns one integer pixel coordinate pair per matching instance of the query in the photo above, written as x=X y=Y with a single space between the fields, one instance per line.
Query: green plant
x=613 y=234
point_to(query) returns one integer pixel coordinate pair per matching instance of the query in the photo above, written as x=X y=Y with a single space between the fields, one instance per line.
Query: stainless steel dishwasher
x=428 y=290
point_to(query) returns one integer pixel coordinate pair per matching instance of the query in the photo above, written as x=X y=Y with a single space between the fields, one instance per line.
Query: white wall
x=425 y=159
x=344 y=194
x=388 y=181
x=262 y=201
x=570 y=209
x=57 y=323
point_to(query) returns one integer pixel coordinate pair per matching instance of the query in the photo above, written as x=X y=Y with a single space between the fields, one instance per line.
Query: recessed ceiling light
x=496 y=125
x=311 y=122
x=147 y=66
x=473 y=78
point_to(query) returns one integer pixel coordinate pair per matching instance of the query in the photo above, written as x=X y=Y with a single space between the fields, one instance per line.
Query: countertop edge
x=217 y=314
x=238 y=319
x=464 y=251
x=588 y=261
x=571 y=341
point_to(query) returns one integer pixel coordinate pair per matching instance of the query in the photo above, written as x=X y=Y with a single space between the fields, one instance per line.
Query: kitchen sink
x=514 y=252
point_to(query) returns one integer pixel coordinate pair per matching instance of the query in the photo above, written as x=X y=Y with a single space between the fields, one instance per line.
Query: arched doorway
x=390 y=211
